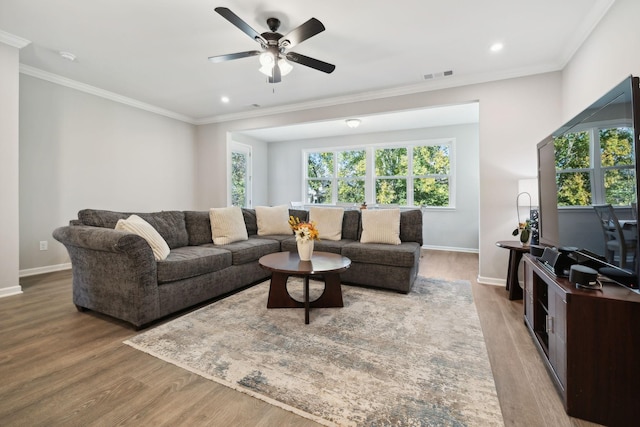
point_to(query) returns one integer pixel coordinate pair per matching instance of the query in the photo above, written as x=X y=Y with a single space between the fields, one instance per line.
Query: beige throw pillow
x=136 y=225
x=227 y=225
x=273 y=220
x=381 y=226
x=328 y=222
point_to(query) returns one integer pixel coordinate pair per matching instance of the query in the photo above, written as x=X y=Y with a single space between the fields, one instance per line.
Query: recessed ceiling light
x=67 y=55
x=496 y=47
x=225 y=99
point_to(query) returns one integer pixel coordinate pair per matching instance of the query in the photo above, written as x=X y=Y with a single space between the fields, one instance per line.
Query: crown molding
x=442 y=83
x=582 y=33
x=13 y=40
x=73 y=84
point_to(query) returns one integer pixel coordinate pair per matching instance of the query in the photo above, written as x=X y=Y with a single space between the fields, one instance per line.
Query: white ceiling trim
x=73 y=84
x=581 y=34
x=444 y=83
x=13 y=40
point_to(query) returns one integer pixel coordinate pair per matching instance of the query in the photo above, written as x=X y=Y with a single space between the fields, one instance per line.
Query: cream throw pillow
x=381 y=226
x=136 y=225
x=273 y=220
x=227 y=225
x=328 y=222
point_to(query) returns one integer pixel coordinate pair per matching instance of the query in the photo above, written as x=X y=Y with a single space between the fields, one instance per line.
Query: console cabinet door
x=557 y=330
x=528 y=294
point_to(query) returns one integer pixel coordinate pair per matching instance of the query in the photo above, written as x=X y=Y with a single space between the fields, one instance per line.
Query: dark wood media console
x=590 y=342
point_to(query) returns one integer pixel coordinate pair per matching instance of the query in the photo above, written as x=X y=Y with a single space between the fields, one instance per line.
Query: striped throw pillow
x=381 y=226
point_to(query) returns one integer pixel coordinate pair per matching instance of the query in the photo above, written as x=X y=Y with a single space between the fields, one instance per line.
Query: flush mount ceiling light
x=67 y=55
x=353 y=123
x=225 y=99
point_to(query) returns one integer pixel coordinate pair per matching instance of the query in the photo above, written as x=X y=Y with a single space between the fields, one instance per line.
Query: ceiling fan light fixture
x=267 y=63
x=266 y=70
x=285 y=67
x=353 y=123
x=266 y=59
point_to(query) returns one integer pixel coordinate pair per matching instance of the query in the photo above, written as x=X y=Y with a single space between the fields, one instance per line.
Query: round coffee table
x=285 y=264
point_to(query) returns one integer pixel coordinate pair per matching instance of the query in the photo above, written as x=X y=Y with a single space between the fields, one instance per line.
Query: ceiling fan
x=274 y=45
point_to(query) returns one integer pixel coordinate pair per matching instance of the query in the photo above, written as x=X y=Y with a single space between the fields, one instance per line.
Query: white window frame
x=370 y=178
x=237 y=147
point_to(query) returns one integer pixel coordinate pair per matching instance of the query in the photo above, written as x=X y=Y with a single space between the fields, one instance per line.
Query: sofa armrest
x=114 y=272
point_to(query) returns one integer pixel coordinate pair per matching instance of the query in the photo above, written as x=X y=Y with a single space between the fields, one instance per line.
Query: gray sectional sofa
x=115 y=272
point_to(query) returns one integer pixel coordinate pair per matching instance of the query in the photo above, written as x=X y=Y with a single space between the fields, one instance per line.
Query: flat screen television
x=588 y=161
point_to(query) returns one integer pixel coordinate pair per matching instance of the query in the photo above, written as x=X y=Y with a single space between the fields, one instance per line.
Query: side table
x=516 y=250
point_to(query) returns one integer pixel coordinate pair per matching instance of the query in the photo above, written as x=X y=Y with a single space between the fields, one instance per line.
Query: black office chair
x=617 y=242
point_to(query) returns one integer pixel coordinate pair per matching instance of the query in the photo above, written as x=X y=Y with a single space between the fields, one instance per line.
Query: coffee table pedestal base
x=279 y=297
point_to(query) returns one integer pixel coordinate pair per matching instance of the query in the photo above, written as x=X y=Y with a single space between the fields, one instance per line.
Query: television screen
x=591 y=160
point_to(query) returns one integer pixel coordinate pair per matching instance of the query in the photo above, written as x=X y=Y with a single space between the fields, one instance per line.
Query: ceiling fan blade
x=276 y=76
x=238 y=22
x=230 y=56
x=311 y=62
x=302 y=33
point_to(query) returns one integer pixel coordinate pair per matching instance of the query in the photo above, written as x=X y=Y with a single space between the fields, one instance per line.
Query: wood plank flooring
x=59 y=367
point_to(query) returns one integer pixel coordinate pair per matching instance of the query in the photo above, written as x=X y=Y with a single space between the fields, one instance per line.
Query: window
x=417 y=174
x=352 y=170
x=241 y=175
x=595 y=166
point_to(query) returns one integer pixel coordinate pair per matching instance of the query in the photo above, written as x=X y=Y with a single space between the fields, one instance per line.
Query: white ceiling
x=155 y=51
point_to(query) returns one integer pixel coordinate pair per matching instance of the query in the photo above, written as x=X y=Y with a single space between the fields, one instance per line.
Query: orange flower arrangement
x=304 y=231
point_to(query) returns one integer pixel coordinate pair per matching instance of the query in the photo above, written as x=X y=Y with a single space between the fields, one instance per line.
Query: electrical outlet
x=44 y=245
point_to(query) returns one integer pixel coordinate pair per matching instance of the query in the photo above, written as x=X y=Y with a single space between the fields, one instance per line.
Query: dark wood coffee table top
x=289 y=262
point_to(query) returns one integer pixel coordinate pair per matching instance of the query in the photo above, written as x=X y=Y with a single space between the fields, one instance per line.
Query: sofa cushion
x=252 y=249
x=198 y=227
x=328 y=221
x=170 y=224
x=402 y=255
x=381 y=226
x=351 y=225
x=191 y=261
x=250 y=221
x=411 y=226
x=273 y=220
x=301 y=214
x=136 y=225
x=227 y=225
x=333 y=246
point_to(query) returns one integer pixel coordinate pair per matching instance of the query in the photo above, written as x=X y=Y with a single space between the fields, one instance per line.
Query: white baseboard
x=42 y=270
x=13 y=290
x=451 y=249
x=494 y=281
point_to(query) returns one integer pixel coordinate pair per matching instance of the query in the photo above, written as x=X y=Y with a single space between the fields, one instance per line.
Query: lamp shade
x=530 y=186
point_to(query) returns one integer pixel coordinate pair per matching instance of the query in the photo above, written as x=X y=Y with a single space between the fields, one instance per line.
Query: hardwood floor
x=59 y=367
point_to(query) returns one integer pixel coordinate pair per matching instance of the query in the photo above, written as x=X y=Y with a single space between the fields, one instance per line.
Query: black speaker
x=583 y=277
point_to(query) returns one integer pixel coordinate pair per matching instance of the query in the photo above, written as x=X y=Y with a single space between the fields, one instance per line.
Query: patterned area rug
x=384 y=359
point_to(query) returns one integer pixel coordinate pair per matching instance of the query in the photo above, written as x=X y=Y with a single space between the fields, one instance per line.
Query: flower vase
x=524 y=236
x=305 y=249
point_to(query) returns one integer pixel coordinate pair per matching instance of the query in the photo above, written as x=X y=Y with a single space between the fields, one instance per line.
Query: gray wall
x=444 y=228
x=9 y=214
x=80 y=151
